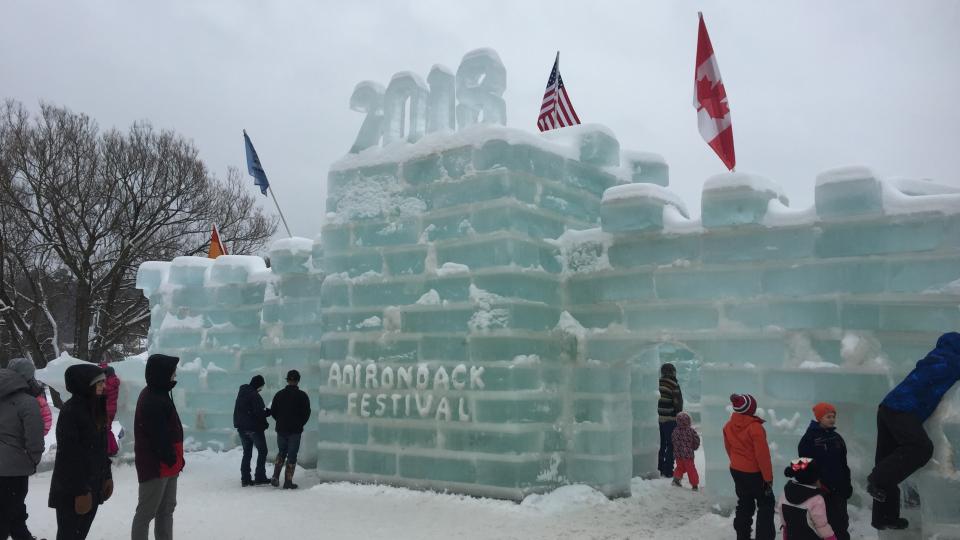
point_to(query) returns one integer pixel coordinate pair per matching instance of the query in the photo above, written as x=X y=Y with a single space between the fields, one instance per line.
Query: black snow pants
x=752 y=495
x=902 y=448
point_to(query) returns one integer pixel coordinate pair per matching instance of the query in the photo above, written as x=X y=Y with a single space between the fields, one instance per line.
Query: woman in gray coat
x=21 y=444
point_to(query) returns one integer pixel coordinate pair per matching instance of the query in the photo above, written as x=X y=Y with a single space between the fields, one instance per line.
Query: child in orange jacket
x=746 y=444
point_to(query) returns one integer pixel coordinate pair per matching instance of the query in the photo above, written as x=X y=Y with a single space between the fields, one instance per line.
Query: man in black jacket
x=291 y=409
x=250 y=419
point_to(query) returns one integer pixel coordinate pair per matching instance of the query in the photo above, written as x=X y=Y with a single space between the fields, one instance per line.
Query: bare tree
x=89 y=207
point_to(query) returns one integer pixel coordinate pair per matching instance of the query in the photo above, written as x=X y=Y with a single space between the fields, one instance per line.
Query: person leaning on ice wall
x=903 y=446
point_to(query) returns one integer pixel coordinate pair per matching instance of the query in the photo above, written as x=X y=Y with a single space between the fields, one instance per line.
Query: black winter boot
x=288 y=476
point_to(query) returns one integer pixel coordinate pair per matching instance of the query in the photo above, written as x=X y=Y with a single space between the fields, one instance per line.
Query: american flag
x=556 y=111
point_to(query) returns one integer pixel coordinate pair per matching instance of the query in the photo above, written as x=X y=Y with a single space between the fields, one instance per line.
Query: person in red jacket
x=112 y=391
x=158 y=450
x=746 y=444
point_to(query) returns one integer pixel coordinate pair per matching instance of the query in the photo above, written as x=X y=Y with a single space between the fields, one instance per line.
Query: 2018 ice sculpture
x=488 y=308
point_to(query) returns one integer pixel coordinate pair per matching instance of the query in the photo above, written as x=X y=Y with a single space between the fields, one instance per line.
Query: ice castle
x=487 y=308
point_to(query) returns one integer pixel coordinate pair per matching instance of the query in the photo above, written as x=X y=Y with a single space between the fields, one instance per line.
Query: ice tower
x=488 y=308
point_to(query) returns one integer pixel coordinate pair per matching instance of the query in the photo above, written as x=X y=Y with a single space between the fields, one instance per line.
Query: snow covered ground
x=213 y=505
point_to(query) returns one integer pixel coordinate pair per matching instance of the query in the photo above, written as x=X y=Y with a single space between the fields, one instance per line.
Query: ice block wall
x=833 y=303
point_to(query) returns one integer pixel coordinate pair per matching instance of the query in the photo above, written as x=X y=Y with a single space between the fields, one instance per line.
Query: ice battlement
x=486 y=309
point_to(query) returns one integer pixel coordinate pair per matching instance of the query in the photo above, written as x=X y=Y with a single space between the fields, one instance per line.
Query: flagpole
x=270 y=189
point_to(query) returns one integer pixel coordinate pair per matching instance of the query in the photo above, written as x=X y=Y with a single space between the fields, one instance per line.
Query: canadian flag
x=710 y=100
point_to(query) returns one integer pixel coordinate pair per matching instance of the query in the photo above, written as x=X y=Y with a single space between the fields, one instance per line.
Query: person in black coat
x=81 y=473
x=158 y=448
x=826 y=447
x=250 y=418
x=291 y=409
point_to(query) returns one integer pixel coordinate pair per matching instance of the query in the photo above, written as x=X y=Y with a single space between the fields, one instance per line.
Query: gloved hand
x=107 y=489
x=768 y=489
x=82 y=504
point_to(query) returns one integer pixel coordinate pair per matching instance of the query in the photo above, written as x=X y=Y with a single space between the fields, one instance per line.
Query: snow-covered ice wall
x=488 y=308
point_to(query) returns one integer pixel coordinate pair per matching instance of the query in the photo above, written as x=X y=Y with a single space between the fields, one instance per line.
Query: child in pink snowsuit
x=111 y=390
x=685 y=443
x=801 y=507
x=45 y=412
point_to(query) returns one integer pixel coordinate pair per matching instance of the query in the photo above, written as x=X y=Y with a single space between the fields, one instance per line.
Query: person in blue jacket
x=902 y=444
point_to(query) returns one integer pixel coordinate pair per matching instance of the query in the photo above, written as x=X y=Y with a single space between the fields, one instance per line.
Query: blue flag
x=253 y=165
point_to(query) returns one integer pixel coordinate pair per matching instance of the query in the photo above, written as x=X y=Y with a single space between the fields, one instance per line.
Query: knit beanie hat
x=293 y=375
x=668 y=369
x=23 y=367
x=743 y=404
x=257 y=381
x=821 y=409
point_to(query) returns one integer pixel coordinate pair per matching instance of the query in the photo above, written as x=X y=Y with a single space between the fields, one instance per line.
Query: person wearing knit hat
x=822 y=443
x=801 y=507
x=903 y=446
x=746 y=444
x=250 y=418
x=668 y=406
x=743 y=404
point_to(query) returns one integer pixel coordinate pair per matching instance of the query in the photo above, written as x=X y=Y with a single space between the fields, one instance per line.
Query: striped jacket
x=671 y=400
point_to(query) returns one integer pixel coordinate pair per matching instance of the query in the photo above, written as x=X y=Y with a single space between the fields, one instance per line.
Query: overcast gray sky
x=812 y=85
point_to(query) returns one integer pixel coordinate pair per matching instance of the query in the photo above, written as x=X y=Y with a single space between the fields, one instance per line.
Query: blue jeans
x=665 y=456
x=248 y=439
x=288 y=444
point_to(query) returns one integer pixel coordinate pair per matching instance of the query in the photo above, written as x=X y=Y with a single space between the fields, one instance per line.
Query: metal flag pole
x=270 y=189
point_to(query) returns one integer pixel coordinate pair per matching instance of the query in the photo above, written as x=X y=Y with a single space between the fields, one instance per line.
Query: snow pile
x=916 y=200
x=294 y=245
x=583 y=251
x=429 y=298
x=740 y=180
x=565 y=499
x=628 y=192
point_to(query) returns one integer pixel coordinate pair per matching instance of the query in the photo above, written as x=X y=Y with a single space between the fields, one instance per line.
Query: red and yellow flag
x=216 y=246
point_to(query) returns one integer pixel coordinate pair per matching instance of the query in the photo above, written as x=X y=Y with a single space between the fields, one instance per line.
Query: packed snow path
x=211 y=504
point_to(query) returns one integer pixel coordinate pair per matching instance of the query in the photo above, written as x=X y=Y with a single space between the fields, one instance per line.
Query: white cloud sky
x=812 y=85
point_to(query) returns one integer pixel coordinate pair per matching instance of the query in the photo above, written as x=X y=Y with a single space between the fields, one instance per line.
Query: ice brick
x=848 y=191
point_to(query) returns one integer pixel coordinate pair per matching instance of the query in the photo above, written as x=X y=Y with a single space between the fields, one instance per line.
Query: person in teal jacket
x=903 y=446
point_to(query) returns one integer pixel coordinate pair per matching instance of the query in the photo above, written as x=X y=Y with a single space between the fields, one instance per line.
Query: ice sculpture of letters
x=488 y=309
x=368 y=98
x=403 y=87
x=481 y=80
x=479 y=84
